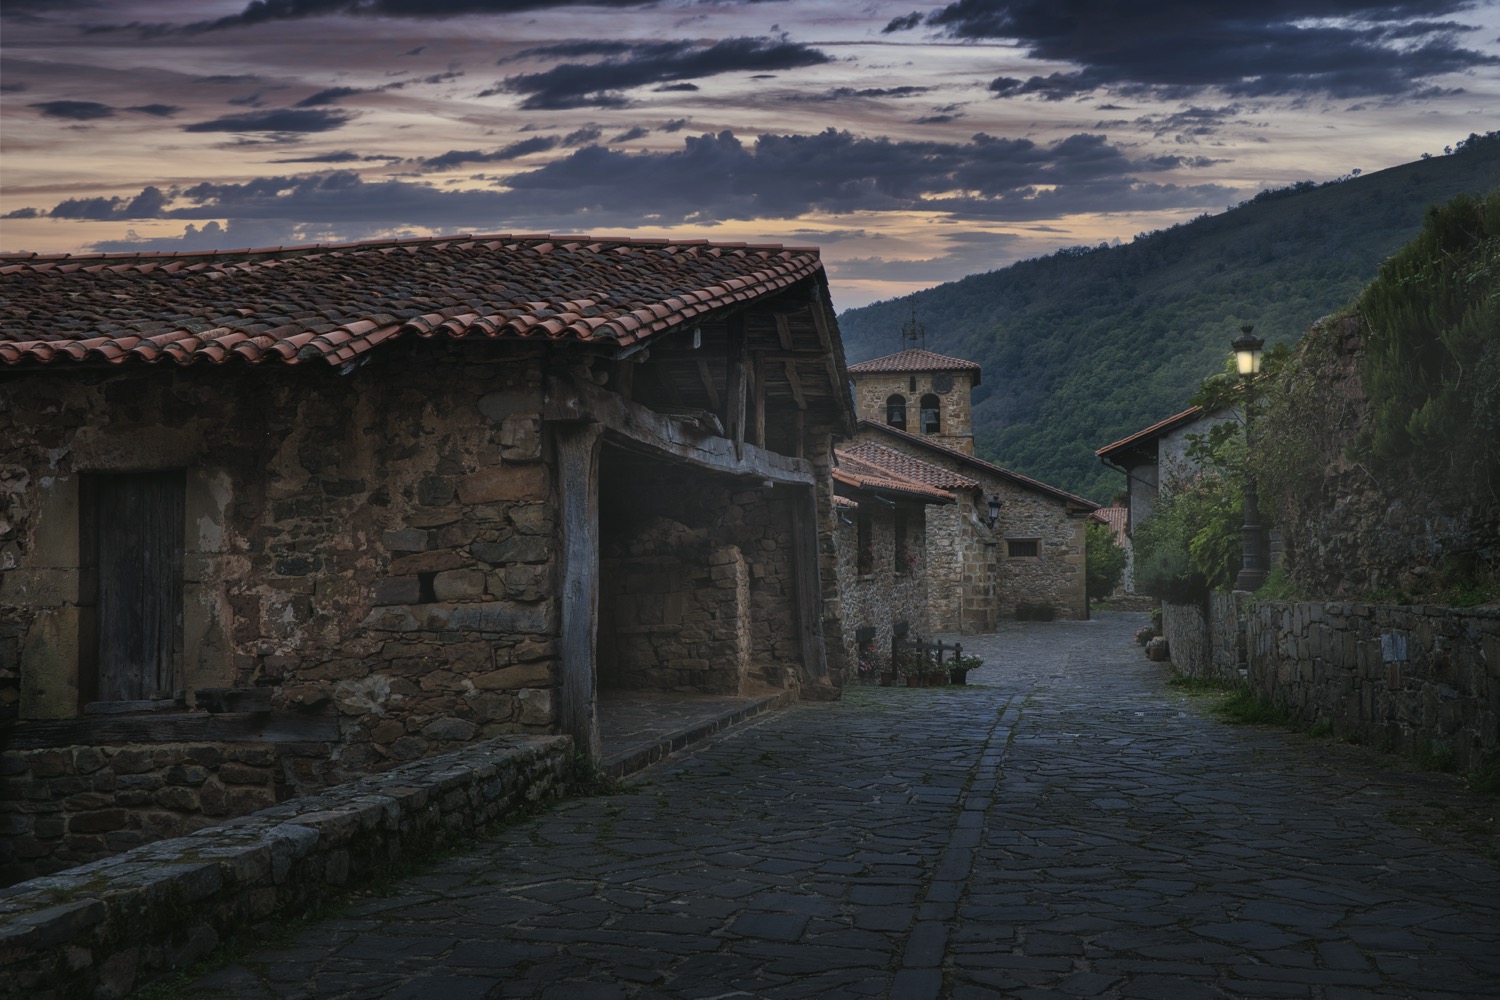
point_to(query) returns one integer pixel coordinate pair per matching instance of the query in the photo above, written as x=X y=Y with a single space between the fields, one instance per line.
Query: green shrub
x=1104 y=560
x=1191 y=543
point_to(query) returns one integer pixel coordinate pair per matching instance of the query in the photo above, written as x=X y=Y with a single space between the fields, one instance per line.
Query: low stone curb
x=100 y=929
x=634 y=759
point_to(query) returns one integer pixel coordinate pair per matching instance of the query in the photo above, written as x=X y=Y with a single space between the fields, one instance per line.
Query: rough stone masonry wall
x=1404 y=677
x=68 y=806
x=892 y=592
x=697 y=580
x=104 y=928
x=1057 y=576
x=1207 y=640
x=374 y=547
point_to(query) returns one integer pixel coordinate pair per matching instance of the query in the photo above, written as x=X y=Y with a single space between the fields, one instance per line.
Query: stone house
x=1150 y=457
x=273 y=518
x=882 y=556
x=1009 y=545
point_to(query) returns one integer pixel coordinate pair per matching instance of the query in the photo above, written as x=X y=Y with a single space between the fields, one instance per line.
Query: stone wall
x=893 y=591
x=957 y=419
x=1207 y=640
x=1057 y=576
x=107 y=927
x=360 y=543
x=1402 y=677
x=73 y=805
x=697 y=591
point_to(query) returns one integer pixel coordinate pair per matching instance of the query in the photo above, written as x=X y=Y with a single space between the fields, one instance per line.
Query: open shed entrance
x=696 y=586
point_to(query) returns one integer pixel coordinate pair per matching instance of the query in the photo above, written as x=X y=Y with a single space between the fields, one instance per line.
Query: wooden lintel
x=569 y=400
x=799 y=354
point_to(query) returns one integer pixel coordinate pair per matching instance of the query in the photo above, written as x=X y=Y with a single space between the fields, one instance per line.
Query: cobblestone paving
x=1067 y=826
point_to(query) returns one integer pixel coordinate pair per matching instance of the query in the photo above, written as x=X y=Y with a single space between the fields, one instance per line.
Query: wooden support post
x=578 y=446
x=809 y=583
x=801 y=433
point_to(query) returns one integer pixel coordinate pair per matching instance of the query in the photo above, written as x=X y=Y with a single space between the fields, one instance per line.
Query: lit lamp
x=994 y=510
x=1252 y=568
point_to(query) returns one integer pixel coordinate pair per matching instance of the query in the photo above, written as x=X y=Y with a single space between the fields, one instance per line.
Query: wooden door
x=138 y=533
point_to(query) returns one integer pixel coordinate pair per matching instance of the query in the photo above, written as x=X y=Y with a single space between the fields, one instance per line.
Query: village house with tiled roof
x=1009 y=546
x=1149 y=458
x=303 y=513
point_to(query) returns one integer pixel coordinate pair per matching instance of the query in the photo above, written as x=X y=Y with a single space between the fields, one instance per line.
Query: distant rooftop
x=914 y=360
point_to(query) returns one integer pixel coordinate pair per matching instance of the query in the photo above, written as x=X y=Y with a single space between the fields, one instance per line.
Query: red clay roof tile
x=288 y=305
x=914 y=360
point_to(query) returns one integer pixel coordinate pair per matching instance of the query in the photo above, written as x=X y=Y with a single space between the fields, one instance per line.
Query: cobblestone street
x=1066 y=826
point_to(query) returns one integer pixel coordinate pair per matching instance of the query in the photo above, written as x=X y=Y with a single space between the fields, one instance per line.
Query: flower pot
x=912 y=682
x=887 y=679
x=958 y=677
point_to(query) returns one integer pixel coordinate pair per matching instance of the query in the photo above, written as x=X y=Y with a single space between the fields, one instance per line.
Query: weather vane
x=913 y=334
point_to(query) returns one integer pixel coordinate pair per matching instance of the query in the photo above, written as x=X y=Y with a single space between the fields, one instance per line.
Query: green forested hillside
x=1088 y=345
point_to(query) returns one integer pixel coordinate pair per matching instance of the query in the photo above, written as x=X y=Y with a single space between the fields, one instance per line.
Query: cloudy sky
x=914 y=142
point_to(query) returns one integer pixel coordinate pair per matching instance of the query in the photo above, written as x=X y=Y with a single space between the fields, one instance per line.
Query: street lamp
x=1247 y=360
x=994 y=510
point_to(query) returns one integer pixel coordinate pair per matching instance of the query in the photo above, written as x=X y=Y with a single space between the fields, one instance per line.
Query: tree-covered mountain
x=1090 y=344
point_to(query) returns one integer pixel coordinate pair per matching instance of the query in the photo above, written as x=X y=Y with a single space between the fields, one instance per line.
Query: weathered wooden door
x=138 y=533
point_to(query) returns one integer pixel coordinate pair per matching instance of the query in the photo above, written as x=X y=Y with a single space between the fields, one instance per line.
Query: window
x=131 y=528
x=932 y=414
x=864 y=560
x=895 y=411
x=1023 y=548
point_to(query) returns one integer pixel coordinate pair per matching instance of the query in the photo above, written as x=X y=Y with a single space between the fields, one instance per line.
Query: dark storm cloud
x=869 y=93
x=156 y=110
x=276 y=120
x=12 y=88
x=458 y=157
x=330 y=96
x=572 y=85
x=1343 y=48
x=582 y=137
x=78 y=111
x=263 y=11
x=675 y=125
x=634 y=132
x=711 y=178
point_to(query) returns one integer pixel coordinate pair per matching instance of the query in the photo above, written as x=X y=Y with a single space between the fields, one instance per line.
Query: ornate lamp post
x=1252 y=567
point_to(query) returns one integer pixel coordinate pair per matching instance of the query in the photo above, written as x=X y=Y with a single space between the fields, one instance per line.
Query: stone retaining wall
x=1406 y=678
x=99 y=930
x=1402 y=677
x=68 y=806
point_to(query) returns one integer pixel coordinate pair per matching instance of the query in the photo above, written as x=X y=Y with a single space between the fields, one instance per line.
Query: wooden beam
x=567 y=400
x=798 y=354
x=734 y=417
x=784 y=331
x=578 y=482
x=809 y=587
x=794 y=382
x=758 y=370
x=707 y=378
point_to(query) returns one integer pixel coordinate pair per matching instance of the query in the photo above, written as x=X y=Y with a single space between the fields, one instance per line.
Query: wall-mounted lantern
x=994 y=510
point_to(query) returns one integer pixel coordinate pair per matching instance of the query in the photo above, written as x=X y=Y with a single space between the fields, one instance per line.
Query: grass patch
x=1485 y=779
x=1202 y=685
x=1244 y=707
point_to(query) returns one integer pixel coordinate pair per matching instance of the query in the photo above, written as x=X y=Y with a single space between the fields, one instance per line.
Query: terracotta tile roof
x=333 y=303
x=914 y=360
x=1155 y=430
x=853 y=471
x=1116 y=517
x=980 y=465
x=907 y=467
